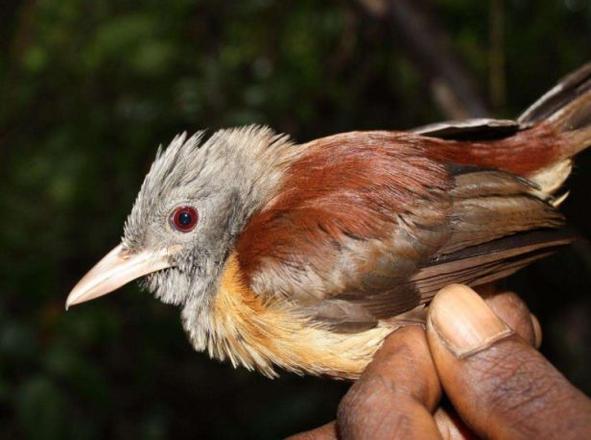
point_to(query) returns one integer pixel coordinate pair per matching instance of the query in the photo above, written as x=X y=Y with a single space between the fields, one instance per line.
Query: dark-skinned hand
x=481 y=355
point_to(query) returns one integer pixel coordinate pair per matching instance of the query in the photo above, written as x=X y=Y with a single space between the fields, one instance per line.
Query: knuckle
x=361 y=400
x=371 y=409
x=517 y=385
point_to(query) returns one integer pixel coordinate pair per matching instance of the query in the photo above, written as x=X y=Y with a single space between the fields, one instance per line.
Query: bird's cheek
x=170 y=286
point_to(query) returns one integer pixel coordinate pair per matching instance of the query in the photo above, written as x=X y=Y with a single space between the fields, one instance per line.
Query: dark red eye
x=184 y=218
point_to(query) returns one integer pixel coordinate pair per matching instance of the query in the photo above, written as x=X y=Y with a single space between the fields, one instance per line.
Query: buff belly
x=261 y=336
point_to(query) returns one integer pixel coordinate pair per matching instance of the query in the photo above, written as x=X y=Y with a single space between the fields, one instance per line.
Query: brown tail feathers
x=567 y=109
x=547 y=135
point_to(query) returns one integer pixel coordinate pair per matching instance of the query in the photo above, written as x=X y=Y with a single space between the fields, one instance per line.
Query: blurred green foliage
x=88 y=91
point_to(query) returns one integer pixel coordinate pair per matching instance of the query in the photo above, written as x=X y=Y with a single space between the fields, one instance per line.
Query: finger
x=500 y=386
x=451 y=426
x=397 y=393
x=511 y=309
x=325 y=432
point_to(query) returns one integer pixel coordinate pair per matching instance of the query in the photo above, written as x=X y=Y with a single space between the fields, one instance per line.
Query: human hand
x=481 y=354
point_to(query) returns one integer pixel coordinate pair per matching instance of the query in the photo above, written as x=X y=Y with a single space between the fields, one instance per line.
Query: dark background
x=88 y=89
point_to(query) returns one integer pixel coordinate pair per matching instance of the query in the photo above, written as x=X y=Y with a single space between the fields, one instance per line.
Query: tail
x=565 y=112
x=539 y=145
x=567 y=108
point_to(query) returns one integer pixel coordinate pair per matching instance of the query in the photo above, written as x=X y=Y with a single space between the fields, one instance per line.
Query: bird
x=304 y=257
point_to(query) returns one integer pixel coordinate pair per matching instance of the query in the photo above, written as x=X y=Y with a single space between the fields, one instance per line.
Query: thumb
x=499 y=385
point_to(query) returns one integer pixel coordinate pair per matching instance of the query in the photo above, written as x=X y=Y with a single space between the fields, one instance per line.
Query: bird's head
x=193 y=203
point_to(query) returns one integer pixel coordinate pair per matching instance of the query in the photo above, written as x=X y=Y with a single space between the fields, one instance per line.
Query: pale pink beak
x=117 y=268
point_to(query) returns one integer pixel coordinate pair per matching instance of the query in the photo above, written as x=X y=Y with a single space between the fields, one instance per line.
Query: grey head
x=193 y=203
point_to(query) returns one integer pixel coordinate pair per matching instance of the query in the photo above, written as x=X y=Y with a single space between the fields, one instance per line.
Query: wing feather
x=367 y=226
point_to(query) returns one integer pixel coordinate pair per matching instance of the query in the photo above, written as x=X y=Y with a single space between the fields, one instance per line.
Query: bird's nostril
x=124 y=253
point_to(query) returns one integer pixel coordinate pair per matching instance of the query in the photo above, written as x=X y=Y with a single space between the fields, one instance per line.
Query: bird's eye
x=184 y=218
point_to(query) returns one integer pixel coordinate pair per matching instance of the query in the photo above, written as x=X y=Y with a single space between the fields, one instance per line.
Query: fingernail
x=537 y=330
x=463 y=321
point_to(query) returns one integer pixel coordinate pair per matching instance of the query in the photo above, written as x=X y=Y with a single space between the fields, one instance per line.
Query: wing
x=489 y=262
x=366 y=226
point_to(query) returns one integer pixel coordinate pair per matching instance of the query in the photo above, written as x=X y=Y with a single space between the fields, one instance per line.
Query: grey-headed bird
x=306 y=256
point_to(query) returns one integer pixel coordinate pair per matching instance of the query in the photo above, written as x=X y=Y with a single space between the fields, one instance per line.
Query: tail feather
x=567 y=108
x=564 y=93
x=539 y=146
